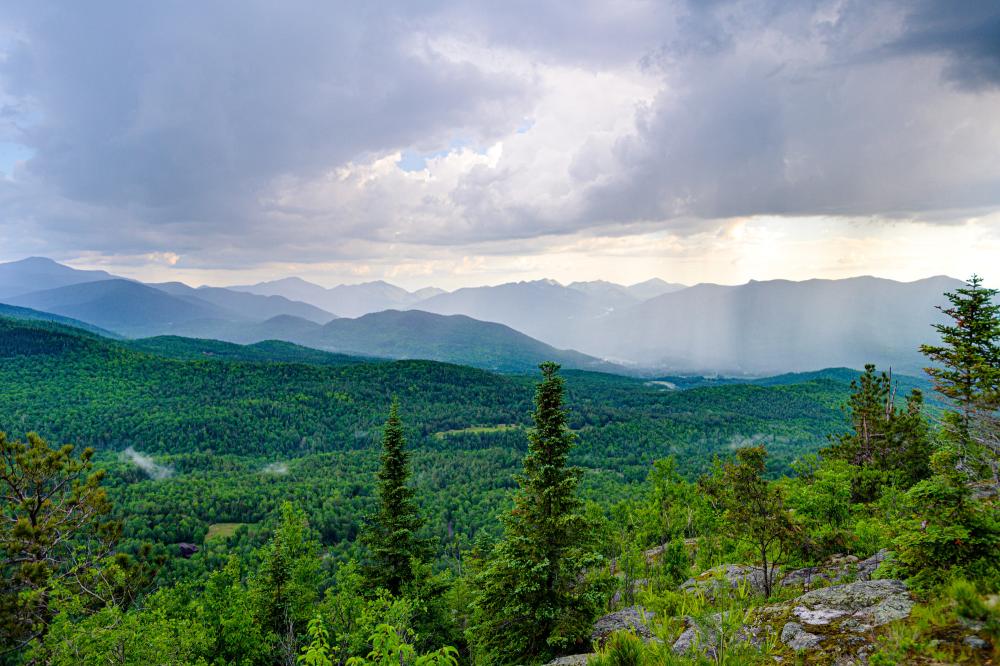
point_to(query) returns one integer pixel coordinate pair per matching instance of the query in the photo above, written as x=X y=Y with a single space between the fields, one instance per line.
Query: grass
x=222 y=531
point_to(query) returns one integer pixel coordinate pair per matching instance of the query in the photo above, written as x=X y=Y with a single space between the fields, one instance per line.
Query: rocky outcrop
x=837 y=622
x=856 y=607
x=634 y=618
x=796 y=637
x=572 y=660
x=838 y=569
x=727 y=577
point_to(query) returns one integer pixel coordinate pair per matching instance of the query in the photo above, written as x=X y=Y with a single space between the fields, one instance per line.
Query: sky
x=454 y=144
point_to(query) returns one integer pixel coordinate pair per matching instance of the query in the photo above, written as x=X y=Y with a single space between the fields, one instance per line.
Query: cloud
x=966 y=33
x=196 y=136
x=786 y=119
x=144 y=462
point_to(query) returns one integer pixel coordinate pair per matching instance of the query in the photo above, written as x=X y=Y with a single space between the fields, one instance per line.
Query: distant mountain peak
x=38 y=260
x=650 y=281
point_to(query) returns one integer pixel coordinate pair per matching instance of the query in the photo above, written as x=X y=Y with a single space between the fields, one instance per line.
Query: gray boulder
x=858 y=607
x=837 y=569
x=572 y=660
x=634 y=618
x=797 y=638
x=699 y=636
x=976 y=643
x=702 y=635
x=727 y=577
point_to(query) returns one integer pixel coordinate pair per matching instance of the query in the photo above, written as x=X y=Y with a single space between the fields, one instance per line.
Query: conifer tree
x=54 y=531
x=967 y=373
x=886 y=444
x=391 y=533
x=534 y=597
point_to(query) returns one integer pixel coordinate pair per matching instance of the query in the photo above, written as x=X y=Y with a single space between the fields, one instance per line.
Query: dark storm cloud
x=967 y=32
x=808 y=109
x=184 y=126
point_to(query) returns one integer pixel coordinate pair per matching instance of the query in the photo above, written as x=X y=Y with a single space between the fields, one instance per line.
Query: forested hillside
x=218 y=414
x=254 y=505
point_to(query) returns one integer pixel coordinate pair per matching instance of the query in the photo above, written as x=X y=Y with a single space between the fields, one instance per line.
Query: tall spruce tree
x=967 y=373
x=391 y=533
x=534 y=597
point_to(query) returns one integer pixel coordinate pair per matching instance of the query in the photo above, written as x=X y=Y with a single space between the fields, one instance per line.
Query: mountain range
x=347 y=300
x=136 y=310
x=765 y=328
x=654 y=327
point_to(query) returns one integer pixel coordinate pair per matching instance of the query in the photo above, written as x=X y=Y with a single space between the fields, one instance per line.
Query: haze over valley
x=653 y=327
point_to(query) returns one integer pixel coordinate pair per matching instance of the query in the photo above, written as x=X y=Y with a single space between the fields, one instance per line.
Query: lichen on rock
x=836 y=624
x=633 y=618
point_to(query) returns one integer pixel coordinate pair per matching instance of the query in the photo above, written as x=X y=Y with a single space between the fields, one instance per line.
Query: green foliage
x=226 y=610
x=967 y=372
x=972 y=608
x=623 y=648
x=676 y=509
x=284 y=591
x=391 y=534
x=820 y=499
x=535 y=598
x=945 y=531
x=318 y=651
x=886 y=445
x=389 y=648
x=54 y=531
x=755 y=511
x=112 y=635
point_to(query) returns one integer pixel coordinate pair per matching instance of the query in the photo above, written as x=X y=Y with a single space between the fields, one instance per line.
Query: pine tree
x=55 y=531
x=534 y=597
x=967 y=373
x=886 y=444
x=391 y=534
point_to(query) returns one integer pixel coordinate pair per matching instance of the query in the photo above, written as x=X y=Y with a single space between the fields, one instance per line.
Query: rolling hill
x=194 y=349
x=455 y=339
x=15 y=312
